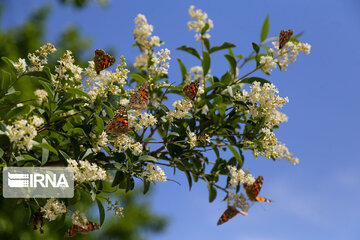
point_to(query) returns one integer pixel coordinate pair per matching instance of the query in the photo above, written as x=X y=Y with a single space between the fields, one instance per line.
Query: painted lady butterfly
x=191 y=89
x=102 y=60
x=253 y=190
x=285 y=37
x=119 y=124
x=229 y=213
x=90 y=226
x=139 y=99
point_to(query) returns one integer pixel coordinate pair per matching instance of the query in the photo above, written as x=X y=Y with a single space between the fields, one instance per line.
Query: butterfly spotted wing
x=102 y=60
x=252 y=191
x=139 y=99
x=119 y=124
x=229 y=213
x=285 y=37
x=74 y=229
x=191 y=89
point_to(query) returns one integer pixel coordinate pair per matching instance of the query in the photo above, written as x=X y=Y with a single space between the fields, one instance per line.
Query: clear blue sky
x=317 y=199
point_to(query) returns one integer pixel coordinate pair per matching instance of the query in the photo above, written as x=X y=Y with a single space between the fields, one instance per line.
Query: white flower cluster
x=240 y=176
x=20 y=65
x=192 y=140
x=154 y=173
x=66 y=64
x=124 y=142
x=147 y=120
x=142 y=32
x=283 y=56
x=101 y=140
x=22 y=132
x=101 y=85
x=182 y=108
x=138 y=120
x=85 y=171
x=200 y=19
x=264 y=102
x=41 y=94
x=39 y=58
x=52 y=209
x=79 y=219
x=159 y=65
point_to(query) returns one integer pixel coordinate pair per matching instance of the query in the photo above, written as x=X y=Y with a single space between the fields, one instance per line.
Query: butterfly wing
x=102 y=60
x=119 y=124
x=191 y=90
x=285 y=37
x=252 y=191
x=229 y=213
x=139 y=99
x=73 y=230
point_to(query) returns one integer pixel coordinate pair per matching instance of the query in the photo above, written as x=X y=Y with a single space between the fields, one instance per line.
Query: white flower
x=142 y=31
x=155 y=41
x=101 y=140
x=238 y=201
x=22 y=133
x=160 y=66
x=154 y=174
x=39 y=58
x=19 y=105
x=20 y=65
x=37 y=121
x=205 y=109
x=67 y=66
x=200 y=19
x=147 y=120
x=42 y=95
x=79 y=219
x=85 y=171
x=240 y=176
x=267 y=63
x=137 y=149
x=124 y=102
x=182 y=108
x=122 y=143
x=52 y=209
x=192 y=140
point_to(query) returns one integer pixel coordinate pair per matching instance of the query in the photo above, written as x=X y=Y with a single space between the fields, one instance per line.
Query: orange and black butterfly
x=252 y=191
x=229 y=213
x=119 y=124
x=285 y=37
x=139 y=99
x=102 y=60
x=191 y=89
x=90 y=226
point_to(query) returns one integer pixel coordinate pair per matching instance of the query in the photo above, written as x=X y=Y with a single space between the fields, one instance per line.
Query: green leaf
x=190 y=50
x=206 y=63
x=265 y=29
x=147 y=158
x=226 y=79
x=64 y=154
x=207 y=44
x=235 y=153
x=187 y=173
x=77 y=131
x=212 y=192
x=48 y=89
x=146 y=186
x=119 y=177
x=45 y=154
x=250 y=80
x=9 y=63
x=255 y=47
x=1 y=152
x=205 y=28
x=5 y=80
x=78 y=92
x=46 y=146
x=18 y=111
x=138 y=78
x=99 y=124
x=225 y=45
x=101 y=211
x=182 y=68
x=232 y=62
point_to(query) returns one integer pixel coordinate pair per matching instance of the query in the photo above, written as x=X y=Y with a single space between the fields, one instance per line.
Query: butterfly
x=229 y=213
x=253 y=190
x=191 y=89
x=90 y=226
x=102 y=60
x=119 y=124
x=285 y=37
x=139 y=99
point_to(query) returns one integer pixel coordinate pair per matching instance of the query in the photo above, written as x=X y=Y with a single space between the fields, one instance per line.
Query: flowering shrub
x=63 y=120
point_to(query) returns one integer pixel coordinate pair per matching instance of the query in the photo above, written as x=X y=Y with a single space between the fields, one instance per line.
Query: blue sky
x=316 y=199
